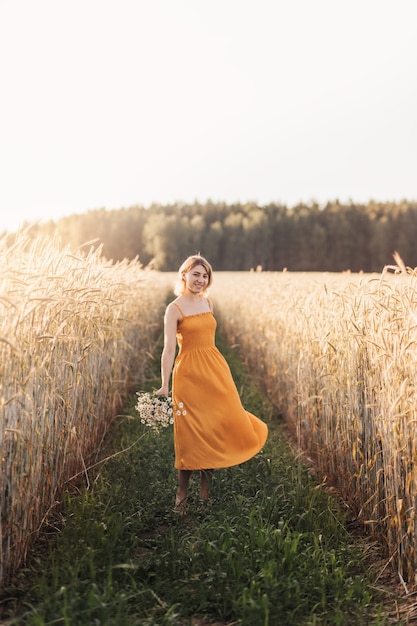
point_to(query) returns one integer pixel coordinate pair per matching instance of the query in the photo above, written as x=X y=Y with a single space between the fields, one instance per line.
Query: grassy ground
x=271 y=550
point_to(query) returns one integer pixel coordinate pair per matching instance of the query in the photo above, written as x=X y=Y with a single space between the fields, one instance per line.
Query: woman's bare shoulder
x=173 y=309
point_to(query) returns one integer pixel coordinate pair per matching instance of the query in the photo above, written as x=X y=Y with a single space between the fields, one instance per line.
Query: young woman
x=211 y=427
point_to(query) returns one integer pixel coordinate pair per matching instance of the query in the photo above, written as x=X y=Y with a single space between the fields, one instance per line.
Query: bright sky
x=110 y=103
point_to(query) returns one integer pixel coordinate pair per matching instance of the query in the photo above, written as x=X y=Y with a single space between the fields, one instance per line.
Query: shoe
x=180 y=505
x=204 y=504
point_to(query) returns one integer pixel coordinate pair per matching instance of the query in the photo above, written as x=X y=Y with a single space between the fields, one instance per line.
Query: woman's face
x=196 y=280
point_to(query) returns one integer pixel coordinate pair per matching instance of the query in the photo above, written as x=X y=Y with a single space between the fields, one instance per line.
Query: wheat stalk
x=338 y=353
x=76 y=332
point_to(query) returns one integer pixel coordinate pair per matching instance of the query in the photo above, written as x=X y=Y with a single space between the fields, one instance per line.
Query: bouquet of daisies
x=155 y=411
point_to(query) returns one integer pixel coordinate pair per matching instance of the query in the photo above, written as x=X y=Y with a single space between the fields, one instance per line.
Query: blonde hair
x=189 y=263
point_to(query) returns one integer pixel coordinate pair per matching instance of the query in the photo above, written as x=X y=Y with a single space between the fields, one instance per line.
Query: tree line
x=307 y=237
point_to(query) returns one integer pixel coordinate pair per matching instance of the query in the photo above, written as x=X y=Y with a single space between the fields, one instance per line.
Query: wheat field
x=337 y=353
x=75 y=335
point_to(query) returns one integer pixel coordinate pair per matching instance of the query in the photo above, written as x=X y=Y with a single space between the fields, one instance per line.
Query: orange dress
x=211 y=427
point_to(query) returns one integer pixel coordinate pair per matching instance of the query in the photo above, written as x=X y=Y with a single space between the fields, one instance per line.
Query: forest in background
x=306 y=237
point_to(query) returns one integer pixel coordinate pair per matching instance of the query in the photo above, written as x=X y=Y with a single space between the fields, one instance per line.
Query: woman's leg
x=205 y=477
x=183 y=480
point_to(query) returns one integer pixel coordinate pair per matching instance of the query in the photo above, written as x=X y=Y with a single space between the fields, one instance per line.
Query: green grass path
x=272 y=550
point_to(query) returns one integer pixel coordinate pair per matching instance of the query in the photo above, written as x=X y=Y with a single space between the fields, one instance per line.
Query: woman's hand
x=163 y=391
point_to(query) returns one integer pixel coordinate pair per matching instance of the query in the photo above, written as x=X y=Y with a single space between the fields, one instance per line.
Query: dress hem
x=244 y=460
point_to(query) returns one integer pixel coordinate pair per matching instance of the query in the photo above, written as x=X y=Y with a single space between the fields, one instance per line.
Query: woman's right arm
x=171 y=319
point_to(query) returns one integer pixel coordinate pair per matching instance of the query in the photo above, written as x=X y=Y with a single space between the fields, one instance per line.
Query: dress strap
x=179 y=308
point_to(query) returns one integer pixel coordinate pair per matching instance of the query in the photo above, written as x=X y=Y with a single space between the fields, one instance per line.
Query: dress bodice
x=196 y=332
